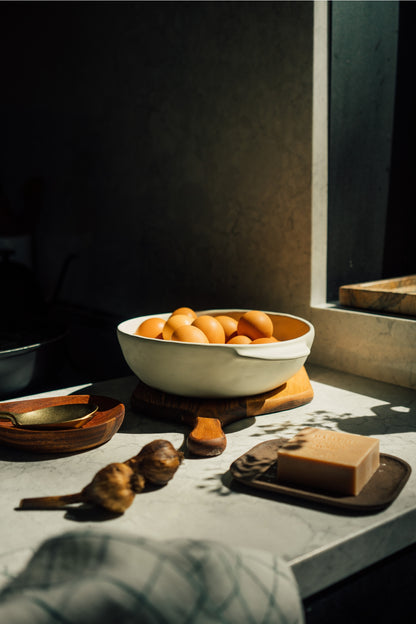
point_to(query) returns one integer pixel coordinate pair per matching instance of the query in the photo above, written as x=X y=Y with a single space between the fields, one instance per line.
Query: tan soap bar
x=328 y=460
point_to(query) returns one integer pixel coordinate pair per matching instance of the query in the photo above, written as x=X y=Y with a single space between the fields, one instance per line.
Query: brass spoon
x=69 y=415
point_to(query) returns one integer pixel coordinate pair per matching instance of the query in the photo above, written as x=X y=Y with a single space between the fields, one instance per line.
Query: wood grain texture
x=389 y=295
x=101 y=428
x=206 y=417
x=207 y=437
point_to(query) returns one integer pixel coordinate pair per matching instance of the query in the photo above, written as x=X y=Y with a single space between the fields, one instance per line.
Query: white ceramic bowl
x=217 y=370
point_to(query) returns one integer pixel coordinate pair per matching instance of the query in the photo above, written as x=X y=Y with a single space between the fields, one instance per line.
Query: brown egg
x=151 y=328
x=189 y=333
x=255 y=324
x=212 y=328
x=173 y=322
x=265 y=340
x=229 y=325
x=186 y=312
x=239 y=339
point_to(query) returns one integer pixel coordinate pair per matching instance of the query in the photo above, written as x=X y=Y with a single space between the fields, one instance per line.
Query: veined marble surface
x=322 y=545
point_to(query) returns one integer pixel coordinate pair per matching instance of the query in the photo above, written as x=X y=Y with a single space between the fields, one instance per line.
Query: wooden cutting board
x=206 y=417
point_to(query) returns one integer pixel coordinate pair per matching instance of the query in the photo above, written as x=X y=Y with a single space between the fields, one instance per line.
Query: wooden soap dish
x=101 y=428
x=257 y=469
x=206 y=417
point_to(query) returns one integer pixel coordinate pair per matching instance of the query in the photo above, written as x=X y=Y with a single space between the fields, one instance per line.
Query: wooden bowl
x=101 y=428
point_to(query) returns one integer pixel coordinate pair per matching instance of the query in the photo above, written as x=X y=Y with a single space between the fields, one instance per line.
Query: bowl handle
x=291 y=353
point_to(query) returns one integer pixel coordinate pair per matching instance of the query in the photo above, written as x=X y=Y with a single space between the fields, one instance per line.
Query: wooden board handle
x=207 y=438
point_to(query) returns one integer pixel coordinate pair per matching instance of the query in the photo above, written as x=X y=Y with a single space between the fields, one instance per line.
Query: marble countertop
x=322 y=545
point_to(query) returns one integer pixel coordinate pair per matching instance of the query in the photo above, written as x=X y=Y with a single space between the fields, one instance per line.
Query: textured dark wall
x=173 y=141
x=362 y=100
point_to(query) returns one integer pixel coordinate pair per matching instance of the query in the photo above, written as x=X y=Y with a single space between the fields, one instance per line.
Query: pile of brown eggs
x=183 y=325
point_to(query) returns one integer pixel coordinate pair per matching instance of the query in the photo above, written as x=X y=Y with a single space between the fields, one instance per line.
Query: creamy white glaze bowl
x=217 y=370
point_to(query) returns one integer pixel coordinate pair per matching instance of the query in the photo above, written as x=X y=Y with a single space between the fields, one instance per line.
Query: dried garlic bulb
x=114 y=487
x=157 y=462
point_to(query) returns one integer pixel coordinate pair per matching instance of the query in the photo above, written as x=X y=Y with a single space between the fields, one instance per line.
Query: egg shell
x=265 y=340
x=239 y=339
x=229 y=325
x=212 y=328
x=186 y=312
x=173 y=322
x=151 y=328
x=189 y=333
x=255 y=324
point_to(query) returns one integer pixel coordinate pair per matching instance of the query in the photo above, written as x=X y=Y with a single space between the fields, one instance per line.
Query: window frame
x=373 y=345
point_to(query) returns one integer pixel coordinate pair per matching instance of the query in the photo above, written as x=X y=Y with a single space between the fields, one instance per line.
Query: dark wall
x=372 y=208
x=363 y=55
x=399 y=246
x=173 y=144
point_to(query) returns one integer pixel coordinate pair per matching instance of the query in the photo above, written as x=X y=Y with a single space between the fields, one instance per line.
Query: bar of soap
x=328 y=460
